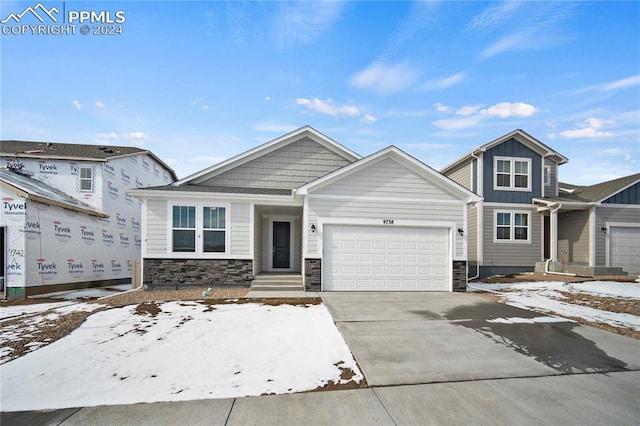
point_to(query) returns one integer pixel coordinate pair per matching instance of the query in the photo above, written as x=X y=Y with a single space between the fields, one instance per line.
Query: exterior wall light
x=604 y=229
x=313 y=228
x=461 y=231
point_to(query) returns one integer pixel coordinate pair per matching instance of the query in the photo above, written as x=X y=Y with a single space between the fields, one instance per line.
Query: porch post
x=553 y=234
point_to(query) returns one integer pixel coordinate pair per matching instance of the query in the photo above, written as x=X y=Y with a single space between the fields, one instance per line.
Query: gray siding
x=327 y=208
x=240 y=228
x=386 y=178
x=511 y=148
x=511 y=253
x=472 y=232
x=156 y=227
x=611 y=214
x=551 y=190
x=474 y=172
x=630 y=195
x=462 y=175
x=573 y=236
x=288 y=167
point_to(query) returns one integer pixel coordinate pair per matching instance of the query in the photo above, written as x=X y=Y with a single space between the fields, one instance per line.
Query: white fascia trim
x=255 y=198
x=619 y=206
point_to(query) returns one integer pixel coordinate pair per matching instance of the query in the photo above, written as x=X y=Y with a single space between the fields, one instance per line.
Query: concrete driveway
x=421 y=338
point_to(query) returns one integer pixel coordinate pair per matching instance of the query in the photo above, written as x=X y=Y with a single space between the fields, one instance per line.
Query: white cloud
x=368 y=119
x=76 y=104
x=444 y=83
x=328 y=107
x=267 y=98
x=385 y=78
x=99 y=104
x=508 y=109
x=458 y=123
x=590 y=128
x=274 y=127
x=468 y=110
x=613 y=85
x=111 y=135
x=205 y=107
x=440 y=107
x=494 y=16
x=302 y=22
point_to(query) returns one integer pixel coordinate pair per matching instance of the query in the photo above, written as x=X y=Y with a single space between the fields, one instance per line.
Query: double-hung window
x=86 y=179
x=213 y=229
x=199 y=229
x=512 y=226
x=184 y=229
x=512 y=174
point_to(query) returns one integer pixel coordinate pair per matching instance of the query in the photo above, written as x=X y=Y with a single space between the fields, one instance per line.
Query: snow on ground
x=188 y=351
x=14 y=311
x=546 y=297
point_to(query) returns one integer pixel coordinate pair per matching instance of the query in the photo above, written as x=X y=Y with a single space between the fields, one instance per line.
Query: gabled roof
x=73 y=151
x=245 y=157
x=599 y=192
x=403 y=158
x=593 y=193
x=521 y=136
x=39 y=191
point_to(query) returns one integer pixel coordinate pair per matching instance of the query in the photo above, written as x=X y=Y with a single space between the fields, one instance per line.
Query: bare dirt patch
x=541 y=276
x=142 y=296
x=148 y=308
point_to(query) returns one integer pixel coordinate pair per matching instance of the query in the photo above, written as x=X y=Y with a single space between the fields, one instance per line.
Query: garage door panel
x=394 y=258
x=624 y=248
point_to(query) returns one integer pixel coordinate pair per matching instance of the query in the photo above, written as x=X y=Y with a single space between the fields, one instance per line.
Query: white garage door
x=373 y=258
x=624 y=249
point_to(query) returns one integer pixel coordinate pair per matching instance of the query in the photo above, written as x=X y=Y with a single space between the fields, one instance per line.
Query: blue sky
x=198 y=82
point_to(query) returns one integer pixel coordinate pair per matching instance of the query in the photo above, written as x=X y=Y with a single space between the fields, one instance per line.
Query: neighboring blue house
x=526 y=216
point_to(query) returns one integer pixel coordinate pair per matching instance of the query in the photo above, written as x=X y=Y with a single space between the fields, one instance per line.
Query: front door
x=281 y=245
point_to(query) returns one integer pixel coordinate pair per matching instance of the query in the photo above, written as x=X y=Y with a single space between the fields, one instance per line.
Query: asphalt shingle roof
x=594 y=193
x=65 y=150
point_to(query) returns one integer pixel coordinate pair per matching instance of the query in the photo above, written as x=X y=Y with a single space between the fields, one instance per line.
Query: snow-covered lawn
x=183 y=351
x=547 y=297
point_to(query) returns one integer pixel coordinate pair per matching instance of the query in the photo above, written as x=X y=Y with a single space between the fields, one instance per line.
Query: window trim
x=512 y=226
x=199 y=229
x=512 y=174
x=81 y=179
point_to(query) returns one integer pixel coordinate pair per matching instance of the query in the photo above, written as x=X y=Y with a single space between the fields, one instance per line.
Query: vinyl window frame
x=512 y=226
x=199 y=229
x=512 y=161
x=82 y=179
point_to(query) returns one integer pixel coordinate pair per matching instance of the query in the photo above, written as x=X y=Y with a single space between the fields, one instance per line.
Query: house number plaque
x=387 y=221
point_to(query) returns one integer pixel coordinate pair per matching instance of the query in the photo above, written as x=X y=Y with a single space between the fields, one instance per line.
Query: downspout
x=546 y=263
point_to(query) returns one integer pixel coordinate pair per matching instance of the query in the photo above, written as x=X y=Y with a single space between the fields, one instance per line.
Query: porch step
x=277 y=282
x=581 y=269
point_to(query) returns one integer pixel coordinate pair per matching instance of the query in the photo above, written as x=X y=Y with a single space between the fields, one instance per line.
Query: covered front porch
x=277 y=239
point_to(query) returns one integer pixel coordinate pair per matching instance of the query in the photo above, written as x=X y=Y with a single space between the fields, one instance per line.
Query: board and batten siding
x=511 y=148
x=156 y=232
x=573 y=236
x=288 y=167
x=611 y=214
x=386 y=179
x=511 y=253
x=630 y=195
x=461 y=174
x=324 y=208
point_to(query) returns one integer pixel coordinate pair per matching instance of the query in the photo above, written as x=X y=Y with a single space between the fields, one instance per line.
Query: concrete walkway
x=429 y=358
